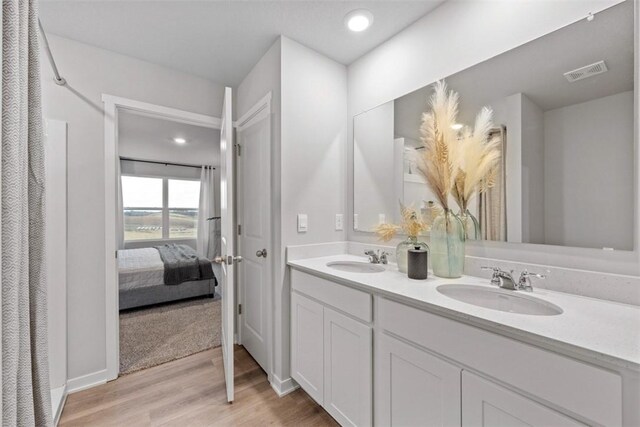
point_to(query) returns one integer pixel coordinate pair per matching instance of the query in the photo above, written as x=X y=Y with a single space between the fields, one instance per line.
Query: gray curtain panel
x=26 y=397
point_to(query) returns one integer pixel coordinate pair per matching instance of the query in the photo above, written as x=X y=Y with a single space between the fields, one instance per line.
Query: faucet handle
x=495 y=278
x=374 y=256
x=384 y=257
x=524 y=282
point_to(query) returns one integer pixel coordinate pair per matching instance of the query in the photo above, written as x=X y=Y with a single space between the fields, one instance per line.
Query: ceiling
x=536 y=69
x=149 y=138
x=222 y=40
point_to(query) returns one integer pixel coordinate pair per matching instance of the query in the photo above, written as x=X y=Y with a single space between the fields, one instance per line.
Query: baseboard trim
x=58 y=399
x=87 y=381
x=283 y=387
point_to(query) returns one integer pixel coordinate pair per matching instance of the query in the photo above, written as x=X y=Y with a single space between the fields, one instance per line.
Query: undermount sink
x=355 y=266
x=498 y=299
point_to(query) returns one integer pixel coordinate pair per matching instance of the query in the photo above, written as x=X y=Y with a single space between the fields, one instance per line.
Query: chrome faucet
x=505 y=280
x=377 y=257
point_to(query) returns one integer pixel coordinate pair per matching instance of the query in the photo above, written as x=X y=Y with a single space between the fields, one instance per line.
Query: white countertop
x=591 y=328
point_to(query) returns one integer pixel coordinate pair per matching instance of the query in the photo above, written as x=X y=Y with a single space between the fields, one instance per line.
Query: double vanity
x=376 y=348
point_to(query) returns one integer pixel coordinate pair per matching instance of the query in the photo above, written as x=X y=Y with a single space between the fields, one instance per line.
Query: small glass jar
x=402 y=251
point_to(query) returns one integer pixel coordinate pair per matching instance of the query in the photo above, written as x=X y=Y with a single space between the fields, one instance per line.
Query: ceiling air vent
x=586 y=71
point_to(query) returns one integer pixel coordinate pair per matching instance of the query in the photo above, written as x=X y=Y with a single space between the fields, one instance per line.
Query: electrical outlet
x=339 y=222
x=303 y=223
x=382 y=218
x=355 y=221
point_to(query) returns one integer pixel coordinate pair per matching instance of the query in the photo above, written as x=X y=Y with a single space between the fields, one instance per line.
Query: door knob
x=262 y=253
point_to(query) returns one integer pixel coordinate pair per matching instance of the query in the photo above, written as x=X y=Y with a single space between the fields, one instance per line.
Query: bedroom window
x=160 y=208
x=142 y=201
x=184 y=198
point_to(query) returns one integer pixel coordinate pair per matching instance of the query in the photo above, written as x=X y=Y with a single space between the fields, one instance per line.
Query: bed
x=141 y=274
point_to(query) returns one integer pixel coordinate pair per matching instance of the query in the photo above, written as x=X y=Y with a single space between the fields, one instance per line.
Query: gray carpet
x=156 y=335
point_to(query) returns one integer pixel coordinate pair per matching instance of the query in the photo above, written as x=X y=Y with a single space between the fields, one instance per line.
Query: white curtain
x=26 y=397
x=119 y=208
x=206 y=244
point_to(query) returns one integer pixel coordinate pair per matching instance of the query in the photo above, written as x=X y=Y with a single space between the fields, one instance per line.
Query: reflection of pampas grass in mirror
x=479 y=157
x=439 y=162
x=452 y=163
x=412 y=224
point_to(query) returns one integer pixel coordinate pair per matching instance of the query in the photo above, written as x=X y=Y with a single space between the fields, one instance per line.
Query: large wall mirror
x=567 y=140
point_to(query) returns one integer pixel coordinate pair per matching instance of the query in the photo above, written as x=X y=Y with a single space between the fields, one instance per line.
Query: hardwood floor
x=191 y=392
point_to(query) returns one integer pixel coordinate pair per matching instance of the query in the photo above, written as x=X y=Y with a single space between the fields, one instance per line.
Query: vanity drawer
x=351 y=301
x=564 y=383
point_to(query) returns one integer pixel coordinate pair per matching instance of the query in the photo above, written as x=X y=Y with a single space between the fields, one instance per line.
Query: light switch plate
x=355 y=221
x=339 y=222
x=382 y=218
x=303 y=223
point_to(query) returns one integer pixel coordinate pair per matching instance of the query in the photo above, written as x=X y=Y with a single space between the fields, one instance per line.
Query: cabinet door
x=307 y=345
x=487 y=404
x=413 y=387
x=348 y=369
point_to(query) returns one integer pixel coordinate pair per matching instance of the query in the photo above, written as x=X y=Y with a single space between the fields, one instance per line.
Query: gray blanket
x=182 y=264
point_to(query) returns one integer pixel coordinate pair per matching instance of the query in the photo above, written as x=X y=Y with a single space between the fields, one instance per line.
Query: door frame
x=260 y=111
x=112 y=106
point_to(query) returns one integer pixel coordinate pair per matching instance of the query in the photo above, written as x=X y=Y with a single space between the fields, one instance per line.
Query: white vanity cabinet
x=429 y=369
x=485 y=403
x=331 y=347
x=307 y=343
x=413 y=387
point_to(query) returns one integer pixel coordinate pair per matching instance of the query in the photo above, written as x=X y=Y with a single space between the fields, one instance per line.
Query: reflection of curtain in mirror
x=492 y=214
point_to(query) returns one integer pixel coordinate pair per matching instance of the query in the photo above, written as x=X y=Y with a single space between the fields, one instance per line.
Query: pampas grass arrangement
x=457 y=165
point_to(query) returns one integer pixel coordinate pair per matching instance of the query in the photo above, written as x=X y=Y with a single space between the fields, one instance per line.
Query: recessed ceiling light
x=358 y=20
x=457 y=126
x=179 y=140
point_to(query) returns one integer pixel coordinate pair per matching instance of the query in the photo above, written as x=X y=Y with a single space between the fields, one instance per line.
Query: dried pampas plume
x=439 y=162
x=479 y=157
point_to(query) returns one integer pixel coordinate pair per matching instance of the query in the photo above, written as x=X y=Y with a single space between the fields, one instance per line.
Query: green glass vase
x=447 y=245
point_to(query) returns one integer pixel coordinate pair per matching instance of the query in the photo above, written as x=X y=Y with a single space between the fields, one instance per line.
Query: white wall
x=313 y=164
x=90 y=72
x=433 y=48
x=589 y=173
x=309 y=122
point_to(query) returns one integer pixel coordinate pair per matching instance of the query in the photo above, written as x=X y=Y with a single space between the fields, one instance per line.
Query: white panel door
x=347 y=369
x=254 y=196
x=489 y=405
x=307 y=365
x=227 y=243
x=414 y=388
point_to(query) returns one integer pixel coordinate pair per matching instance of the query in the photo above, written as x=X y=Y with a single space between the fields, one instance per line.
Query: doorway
x=115 y=107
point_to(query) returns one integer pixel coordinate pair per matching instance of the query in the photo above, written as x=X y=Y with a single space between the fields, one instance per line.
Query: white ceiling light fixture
x=457 y=126
x=358 y=20
x=179 y=140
